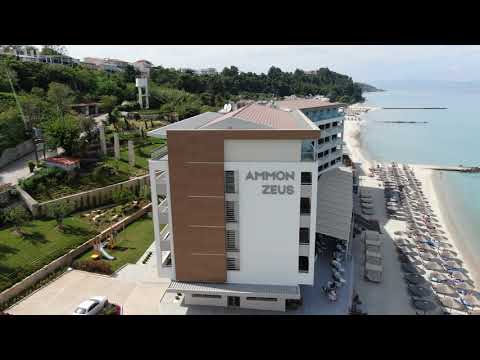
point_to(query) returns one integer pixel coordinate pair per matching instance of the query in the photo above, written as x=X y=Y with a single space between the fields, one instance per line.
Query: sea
x=449 y=137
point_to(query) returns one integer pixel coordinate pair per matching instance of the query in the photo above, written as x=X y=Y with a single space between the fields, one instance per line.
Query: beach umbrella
x=424 y=305
x=448 y=254
x=412 y=269
x=428 y=257
x=444 y=289
x=420 y=291
x=453 y=266
x=450 y=303
x=454 y=262
x=433 y=266
x=437 y=277
x=409 y=260
x=470 y=300
x=415 y=279
x=457 y=275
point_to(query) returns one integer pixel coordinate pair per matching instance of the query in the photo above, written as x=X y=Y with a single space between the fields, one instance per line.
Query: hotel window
x=335 y=123
x=231 y=240
x=321 y=141
x=332 y=162
x=320 y=154
x=327 y=126
x=321 y=127
x=334 y=137
x=207 y=296
x=230 y=182
x=305 y=206
x=306 y=178
x=233 y=264
x=303 y=264
x=230 y=213
x=325 y=153
x=334 y=149
x=304 y=236
x=254 y=298
x=327 y=139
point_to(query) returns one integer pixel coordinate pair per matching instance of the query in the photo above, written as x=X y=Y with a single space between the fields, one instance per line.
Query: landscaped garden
x=52 y=183
x=41 y=243
x=130 y=244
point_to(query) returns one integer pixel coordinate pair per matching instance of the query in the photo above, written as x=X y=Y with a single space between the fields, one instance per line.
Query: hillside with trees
x=46 y=91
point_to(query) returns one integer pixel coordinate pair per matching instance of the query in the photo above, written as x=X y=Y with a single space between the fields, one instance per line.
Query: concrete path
x=61 y=296
x=18 y=169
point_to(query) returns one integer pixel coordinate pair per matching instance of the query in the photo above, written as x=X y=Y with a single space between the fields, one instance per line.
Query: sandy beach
x=393 y=286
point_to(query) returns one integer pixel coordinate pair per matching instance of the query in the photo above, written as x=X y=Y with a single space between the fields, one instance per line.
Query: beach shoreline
x=430 y=180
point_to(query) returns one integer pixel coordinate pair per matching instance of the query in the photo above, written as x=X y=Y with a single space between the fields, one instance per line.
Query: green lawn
x=41 y=244
x=131 y=244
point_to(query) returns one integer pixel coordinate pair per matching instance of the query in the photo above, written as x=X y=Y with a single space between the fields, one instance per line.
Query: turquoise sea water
x=451 y=137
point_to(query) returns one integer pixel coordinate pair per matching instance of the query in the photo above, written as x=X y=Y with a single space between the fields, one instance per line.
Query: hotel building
x=235 y=202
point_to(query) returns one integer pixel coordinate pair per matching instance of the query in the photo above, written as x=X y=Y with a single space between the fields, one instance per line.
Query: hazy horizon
x=364 y=63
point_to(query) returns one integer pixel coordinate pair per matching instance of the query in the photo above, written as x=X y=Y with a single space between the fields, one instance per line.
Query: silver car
x=91 y=306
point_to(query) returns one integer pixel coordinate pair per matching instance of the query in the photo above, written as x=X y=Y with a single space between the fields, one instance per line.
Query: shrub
x=49 y=176
x=95 y=266
x=122 y=196
x=31 y=165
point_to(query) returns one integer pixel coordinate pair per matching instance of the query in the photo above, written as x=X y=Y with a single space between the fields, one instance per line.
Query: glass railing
x=308 y=156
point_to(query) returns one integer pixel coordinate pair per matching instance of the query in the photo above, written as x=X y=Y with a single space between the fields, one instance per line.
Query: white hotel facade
x=235 y=202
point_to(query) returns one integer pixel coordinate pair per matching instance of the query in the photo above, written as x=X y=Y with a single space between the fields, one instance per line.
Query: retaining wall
x=12 y=154
x=68 y=258
x=87 y=199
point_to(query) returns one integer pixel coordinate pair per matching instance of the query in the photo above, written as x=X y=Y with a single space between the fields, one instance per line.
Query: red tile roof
x=63 y=160
x=263 y=115
x=305 y=104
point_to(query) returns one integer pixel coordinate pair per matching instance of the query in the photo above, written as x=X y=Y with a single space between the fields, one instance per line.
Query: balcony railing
x=308 y=156
x=159 y=152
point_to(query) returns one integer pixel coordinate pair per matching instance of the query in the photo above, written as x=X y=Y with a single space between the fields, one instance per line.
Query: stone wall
x=68 y=258
x=87 y=199
x=12 y=154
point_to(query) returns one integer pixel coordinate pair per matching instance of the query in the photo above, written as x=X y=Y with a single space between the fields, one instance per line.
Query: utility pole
x=17 y=102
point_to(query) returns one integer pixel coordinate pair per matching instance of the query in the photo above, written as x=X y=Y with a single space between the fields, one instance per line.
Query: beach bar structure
x=238 y=194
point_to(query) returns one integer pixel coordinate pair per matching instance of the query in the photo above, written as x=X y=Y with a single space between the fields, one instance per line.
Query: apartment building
x=31 y=54
x=235 y=205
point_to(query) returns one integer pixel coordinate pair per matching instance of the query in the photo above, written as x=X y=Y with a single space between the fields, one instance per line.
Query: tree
x=53 y=50
x=17 y=216
x=60 y=96
x=64 y=133
x=87 y=124
x=108 y=103
x=59 y=211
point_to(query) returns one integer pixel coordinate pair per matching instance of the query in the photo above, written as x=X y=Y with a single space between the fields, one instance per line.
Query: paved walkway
x=18 y=169
x=61 y=296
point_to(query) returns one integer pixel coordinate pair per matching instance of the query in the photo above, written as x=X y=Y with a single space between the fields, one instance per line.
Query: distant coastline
x=369 y=88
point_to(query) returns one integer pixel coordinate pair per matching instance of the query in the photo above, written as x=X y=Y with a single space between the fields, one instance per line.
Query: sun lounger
x=373 y=242
x=373 y=254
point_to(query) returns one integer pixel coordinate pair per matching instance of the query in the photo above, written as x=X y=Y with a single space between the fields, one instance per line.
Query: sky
x=361 y=62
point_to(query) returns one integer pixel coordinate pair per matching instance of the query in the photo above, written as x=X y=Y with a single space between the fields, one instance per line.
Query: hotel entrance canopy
x=290 y=292
x=335 y=203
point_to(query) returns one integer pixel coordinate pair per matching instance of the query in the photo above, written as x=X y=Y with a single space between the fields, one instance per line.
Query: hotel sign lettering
x=274 y=189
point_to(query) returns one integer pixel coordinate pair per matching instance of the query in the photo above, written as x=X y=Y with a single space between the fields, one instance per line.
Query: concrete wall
x=87 y=199
x=11 y=154
x=269 y=227
x=68 y=258
x=260 y=150
x=278 y=305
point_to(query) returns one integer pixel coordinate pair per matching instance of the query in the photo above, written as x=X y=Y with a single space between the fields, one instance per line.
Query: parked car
x=91 y=306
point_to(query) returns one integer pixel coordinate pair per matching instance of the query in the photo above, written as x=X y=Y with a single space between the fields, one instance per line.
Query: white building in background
x=238 y=195
x=144 y=67
x=30 y=53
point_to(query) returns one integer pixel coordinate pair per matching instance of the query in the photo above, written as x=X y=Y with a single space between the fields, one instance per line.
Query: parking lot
x=62 y=296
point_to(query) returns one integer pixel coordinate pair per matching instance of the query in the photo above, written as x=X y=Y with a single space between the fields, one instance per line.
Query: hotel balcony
x=165 y=239
x=161 y=183
x=327 y=119
x=163 y=212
